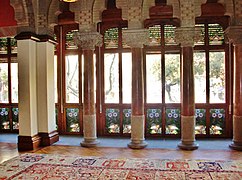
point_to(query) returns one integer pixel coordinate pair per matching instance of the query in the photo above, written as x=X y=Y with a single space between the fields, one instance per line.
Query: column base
x=28 y=143
x=89 y=143
x=49 y=138
x=188 y=146
x=137 y=145
x=236 y=146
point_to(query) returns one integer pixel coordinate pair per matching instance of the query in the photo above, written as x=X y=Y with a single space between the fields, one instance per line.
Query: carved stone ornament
x=88 y=40
x=136 y=38
x=187 y=36
x=234 y=34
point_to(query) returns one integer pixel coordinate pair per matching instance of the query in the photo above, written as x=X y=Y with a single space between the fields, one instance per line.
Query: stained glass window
x=3 y=46
x=169 y=33
x=70 y=44
x=72 y=120
x=4 y=118
x=217 y=121
x=15 y=114
x=200 y=127
x=155 y=35
x=154 y=125
x=173 y=121
x=201 y=29
x=127 y=121
x=111 y=38
x=14 y=48
x=216 y=34
x=113 y=120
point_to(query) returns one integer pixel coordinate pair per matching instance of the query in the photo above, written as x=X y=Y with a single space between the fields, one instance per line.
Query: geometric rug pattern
x=44 y=167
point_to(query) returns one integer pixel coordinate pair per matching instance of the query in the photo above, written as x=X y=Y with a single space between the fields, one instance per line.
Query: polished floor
x=216 y=149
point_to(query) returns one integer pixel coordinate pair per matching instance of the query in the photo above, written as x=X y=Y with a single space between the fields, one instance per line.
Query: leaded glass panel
x=216 y=34
x=111 y=38
x=173 y=121
x=154 y=123
x=3 y=46
x=155 y=35
x=113 y=120
x=217 y=121
x=169 y=33
x=4 y=119
x=15 y=115
x=201 y=29
x=72 y=120
x=70 y=43
x=127 y=121
x=14 y=48
x=200 y=127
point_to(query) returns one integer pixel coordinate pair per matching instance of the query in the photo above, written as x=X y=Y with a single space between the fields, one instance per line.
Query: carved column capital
x=234 y=34
x=88 y=40
x=136 y=38
x=187 y=36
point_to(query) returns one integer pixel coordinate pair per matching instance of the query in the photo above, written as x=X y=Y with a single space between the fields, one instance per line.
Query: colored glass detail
x=15 y=115
x=111 y=38
x=200 y=127
x=217 y=121
x=112 y=120
x=173 y=121
x=127 y=121
x=154 y=123
x=72 y=120
x=4 y=119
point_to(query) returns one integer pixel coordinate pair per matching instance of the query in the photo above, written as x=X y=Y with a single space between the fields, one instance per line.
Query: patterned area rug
x=42 y=166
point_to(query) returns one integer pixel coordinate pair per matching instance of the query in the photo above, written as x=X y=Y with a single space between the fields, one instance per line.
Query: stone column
x=28 y=138
x=136 y=38
x=88 y=41
x=234 y=34
x=186 y=36
x=45 y=91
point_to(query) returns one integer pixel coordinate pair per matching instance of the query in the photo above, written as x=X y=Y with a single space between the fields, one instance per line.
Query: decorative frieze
x=136 y=38
x=88 y=40
x=187 y=36
x=234 y=34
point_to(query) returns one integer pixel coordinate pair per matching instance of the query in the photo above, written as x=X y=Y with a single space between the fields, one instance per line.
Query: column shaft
x=45 y=93
x=187 y=101
x=28 y=138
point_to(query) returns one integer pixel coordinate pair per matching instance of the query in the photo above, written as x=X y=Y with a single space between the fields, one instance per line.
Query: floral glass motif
x=127 y=121
x=112 y=121
x=173 y=121
x=70 y=43
x=111 y=38
x=154 y=121
x=200 y=127
x=216 y=34
x=155 y=35
x=169 y=33
x=3 y=46
x=217 y=121
x=72 y=120
x=4 y=119
x=201 y=29
x=15 y=115
x=14 y=48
